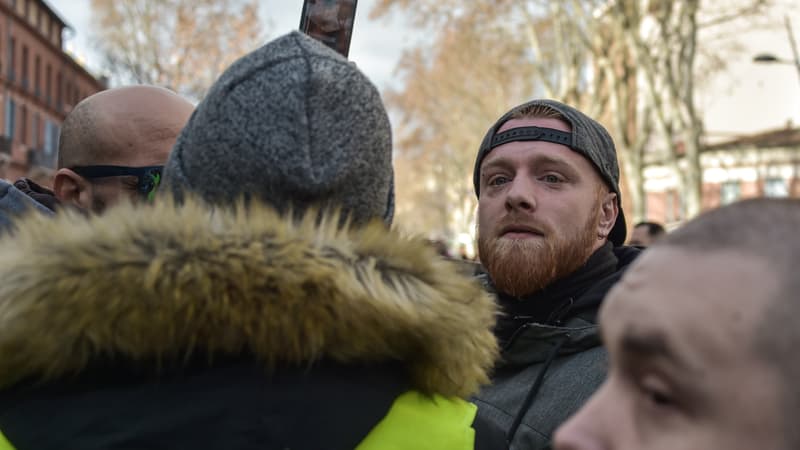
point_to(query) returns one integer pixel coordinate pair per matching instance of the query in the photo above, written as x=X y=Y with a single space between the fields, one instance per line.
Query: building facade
x=765 y=164
x=40 y=85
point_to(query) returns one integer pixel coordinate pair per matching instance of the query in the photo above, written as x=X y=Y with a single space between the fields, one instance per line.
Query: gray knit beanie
x=293 y=124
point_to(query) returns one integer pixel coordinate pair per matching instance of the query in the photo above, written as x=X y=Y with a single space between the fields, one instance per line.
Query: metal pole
x=793 y=43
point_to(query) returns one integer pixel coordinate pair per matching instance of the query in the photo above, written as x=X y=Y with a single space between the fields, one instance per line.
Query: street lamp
x=768 y=58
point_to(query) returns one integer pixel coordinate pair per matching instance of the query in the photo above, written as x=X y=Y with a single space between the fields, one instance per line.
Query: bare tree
x=561 y=51
x=662 y=37
x=452 y=92
x=180 y=44
x=630 y=63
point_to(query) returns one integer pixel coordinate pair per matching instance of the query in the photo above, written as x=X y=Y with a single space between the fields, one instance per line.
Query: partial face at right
x=683 y=370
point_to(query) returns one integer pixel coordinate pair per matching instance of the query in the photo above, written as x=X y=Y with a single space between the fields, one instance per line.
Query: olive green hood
x=164 y=283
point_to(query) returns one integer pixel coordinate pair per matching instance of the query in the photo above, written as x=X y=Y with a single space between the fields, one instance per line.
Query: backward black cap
x=588 y=138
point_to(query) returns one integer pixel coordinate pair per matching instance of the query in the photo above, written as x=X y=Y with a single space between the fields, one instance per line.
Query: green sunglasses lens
x=150 y=184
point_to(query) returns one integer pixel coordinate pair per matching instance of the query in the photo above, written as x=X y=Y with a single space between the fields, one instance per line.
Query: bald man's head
x=132 y=126
x=120 y=125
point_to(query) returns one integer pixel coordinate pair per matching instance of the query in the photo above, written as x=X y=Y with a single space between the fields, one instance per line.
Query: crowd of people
x=227 y=277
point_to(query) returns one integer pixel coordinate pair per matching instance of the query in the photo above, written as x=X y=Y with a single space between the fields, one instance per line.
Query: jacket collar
x=15 y=203
x=163 y=283
x=531 y=342
x=574 y=302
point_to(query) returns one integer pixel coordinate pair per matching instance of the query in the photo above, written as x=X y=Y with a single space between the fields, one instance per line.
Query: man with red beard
x=550 y=238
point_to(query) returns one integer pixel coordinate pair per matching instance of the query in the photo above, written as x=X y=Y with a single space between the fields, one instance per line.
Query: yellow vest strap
x=4 y=444
x=421 y=422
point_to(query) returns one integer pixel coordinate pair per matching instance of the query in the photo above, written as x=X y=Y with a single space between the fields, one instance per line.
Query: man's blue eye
x=496 y=181
x=551 y=179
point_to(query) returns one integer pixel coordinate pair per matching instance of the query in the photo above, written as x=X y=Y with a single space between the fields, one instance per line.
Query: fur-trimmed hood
x=162 y=283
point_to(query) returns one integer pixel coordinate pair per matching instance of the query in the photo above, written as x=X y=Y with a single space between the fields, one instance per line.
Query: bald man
x=112 y=147
x=114 y=143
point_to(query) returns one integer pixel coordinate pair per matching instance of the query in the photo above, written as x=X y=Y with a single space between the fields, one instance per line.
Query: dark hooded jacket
x=551 y=358
x=188 y=327
x=24 y=196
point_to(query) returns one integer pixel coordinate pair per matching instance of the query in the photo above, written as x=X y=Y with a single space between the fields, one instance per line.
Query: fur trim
x=163 y=282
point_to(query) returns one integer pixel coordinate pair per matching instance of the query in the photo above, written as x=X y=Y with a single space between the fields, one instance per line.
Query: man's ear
x=72 y=189
x=609 y=210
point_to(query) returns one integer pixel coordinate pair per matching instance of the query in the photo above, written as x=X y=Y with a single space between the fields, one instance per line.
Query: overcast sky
x=746 y=98
x=376 y=45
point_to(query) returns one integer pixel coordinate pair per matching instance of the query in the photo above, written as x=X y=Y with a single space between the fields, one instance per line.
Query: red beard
x=521 y=267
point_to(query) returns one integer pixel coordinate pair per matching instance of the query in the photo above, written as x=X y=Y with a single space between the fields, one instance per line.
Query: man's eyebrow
x=496 y=162
x=651 y=345
x=538 y=160
x=547 y=159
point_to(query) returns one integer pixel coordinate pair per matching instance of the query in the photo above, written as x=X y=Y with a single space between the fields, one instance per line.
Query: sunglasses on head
x=147 y=178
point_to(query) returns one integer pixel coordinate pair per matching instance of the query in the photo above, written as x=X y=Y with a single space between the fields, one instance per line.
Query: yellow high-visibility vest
x=414 y=421
x=420 y=422
x=4 y=444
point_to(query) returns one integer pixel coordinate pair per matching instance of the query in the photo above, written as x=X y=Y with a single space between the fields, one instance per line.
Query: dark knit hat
x=588 y=138
x=293 y=124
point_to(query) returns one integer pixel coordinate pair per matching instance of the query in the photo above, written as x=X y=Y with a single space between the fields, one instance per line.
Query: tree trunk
x=636 y=192
x=693 y=175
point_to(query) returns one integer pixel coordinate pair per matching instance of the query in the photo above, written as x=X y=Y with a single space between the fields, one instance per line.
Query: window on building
x=51 y=132
x=24 y=66
x=55 y=34
x=48 y=73
x=37 y=76
x=58 y=90
x=10 y=122
x=35 y=121
x=45 y=25
x=776 y=187
x=23 y=124
x=730 y=192
x=33 y=13
x=12 y=49
x=669 y=207
x=673 y=206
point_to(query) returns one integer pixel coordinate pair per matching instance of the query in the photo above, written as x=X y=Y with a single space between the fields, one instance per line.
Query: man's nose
x=583 y=431
x=521 y=195
x=567 y=439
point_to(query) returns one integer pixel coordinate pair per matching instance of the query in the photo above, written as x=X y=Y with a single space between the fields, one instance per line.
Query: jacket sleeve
x=13 y=203
x=488 y=435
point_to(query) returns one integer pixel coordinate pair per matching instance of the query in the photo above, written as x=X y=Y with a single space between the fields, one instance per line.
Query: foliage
x=183 y=45
x=632 y=64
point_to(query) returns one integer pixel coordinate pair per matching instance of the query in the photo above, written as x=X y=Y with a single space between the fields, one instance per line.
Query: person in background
x=268 y=306
x=462 y=252
x=646 y=233
x=112 y=148
x=440 y=246
x=114 y=144
x=550 y=235
x=702 y=336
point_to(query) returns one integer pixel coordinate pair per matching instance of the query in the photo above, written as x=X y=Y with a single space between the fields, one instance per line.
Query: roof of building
x=55 y=14
x=783 y=137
